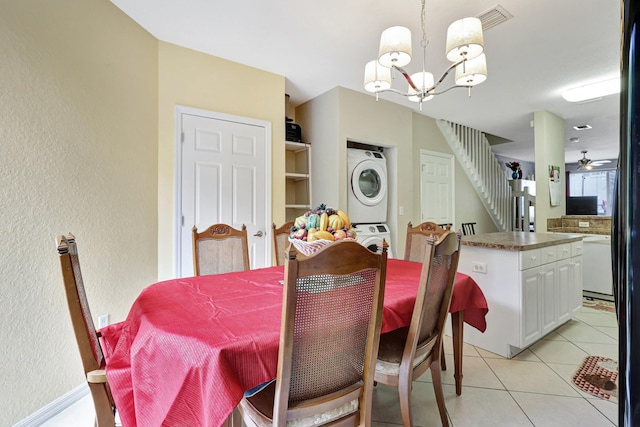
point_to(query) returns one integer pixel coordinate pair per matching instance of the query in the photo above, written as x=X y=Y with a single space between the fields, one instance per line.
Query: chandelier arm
x=422 y=94
x=407 y=77
x=405 y=74
x=396 y=91
x=447 y=71
x=449 y=88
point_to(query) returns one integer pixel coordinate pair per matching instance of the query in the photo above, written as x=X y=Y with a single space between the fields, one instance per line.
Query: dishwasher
x=597 y=278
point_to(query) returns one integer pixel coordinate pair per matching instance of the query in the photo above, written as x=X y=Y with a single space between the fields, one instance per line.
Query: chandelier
x=464 y=48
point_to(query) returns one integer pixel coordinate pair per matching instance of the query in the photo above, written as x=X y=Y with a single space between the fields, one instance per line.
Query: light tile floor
x=532 y=389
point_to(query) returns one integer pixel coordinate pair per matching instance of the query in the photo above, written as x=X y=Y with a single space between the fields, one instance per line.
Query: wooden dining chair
x=220 y=249
x=468 y=228
x=407 y=353
x=331 y=319
x=281 y=240
x=85 y=332
x=416 y=242
x=416 y=247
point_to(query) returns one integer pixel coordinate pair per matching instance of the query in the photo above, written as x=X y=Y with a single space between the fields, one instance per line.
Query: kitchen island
x=532 y=283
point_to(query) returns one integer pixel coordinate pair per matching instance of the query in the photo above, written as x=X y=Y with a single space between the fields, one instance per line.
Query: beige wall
x=78 y=152
x=87 y=113
x=468 y=206
x=549 y=143
x=388 y=124
x=340 y=114
x=197 y=80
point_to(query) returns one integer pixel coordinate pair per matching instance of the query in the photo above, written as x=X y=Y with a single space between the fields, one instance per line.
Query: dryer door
x=372 y=243
x=369 y=182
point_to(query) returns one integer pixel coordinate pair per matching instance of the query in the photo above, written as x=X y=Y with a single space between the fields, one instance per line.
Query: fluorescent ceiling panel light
x=593 y=91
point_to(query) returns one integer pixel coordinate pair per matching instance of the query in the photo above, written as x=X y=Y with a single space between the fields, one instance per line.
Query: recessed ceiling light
x=582 y=127
x=593 y=91
x=574 y=140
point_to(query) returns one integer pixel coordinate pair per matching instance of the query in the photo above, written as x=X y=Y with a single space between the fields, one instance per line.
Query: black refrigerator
x=626 y=221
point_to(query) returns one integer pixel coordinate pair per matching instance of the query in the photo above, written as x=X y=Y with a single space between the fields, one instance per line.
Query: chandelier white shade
x=464 y=48
x=464 y=39
x=423 y=81
x=376 y=77
x=395 y=47
x=472 y=72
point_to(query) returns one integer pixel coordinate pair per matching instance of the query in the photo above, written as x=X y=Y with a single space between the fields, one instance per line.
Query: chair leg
x=443 y=362
x=437 y=389
x=102 y=404
x=404 y=390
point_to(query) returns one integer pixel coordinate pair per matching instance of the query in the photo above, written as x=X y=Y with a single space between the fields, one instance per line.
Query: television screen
x=586 y=205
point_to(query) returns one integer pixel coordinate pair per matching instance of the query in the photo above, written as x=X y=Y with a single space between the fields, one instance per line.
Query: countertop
x=518 y=241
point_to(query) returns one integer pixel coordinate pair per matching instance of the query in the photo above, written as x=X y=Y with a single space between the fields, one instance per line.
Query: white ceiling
x=547 y=47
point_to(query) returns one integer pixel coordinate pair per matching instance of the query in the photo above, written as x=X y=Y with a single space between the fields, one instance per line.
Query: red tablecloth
x=190 y=347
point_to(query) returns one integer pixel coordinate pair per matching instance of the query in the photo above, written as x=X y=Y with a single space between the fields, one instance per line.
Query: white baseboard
x=54 y=408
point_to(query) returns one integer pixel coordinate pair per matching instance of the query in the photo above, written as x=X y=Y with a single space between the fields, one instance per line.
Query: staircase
x=473 y=151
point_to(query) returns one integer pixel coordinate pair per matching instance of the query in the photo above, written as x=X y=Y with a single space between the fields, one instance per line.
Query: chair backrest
x=281 y=240
x=331 y=318
x=468 y=228
x=220 y=249
x=416 y=244
x=434 y=294
x=84 y=328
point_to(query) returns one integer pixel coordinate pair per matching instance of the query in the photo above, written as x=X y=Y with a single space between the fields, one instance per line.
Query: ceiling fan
x=588 y=164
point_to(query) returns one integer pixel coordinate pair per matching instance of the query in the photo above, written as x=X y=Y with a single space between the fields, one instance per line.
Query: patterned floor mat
x=598 y=376
x=599 y=304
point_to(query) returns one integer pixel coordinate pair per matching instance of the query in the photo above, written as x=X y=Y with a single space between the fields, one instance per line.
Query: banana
x=324 y=235
x=311 y=235
x=336 y=222
x=345 y=218
x=324 y=221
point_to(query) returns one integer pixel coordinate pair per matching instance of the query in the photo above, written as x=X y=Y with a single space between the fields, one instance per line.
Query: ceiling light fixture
x=593 y=91
x=465 y=47
x=582 y=127
x=584 y=163
x=588 y=164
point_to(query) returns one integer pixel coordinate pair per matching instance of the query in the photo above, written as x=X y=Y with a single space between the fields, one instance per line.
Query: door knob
x=259 y=234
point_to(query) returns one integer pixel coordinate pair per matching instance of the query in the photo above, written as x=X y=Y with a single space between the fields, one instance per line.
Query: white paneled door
x=436 y=187
x=225 y=178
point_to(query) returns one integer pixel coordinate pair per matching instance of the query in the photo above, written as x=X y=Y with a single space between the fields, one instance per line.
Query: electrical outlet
x=479 y=267
x=103 y=321
x=583 y=223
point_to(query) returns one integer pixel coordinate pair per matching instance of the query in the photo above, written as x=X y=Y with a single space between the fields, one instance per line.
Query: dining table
x=190 y=347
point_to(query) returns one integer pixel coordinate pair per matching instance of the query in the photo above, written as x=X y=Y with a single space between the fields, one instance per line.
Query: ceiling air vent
x=494 y=16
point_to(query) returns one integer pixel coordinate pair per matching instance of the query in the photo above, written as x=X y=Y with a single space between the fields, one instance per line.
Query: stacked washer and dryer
x=367 y=196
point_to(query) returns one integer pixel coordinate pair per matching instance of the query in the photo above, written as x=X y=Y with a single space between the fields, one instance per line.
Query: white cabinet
x=298 y=179
x=565 y=290
x=538 y=298
x=531 y=298
x=576 y=278
x=529 y=292
x=549 y=286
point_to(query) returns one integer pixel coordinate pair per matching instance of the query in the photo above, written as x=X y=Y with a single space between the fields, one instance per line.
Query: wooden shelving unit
x=298 y=179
